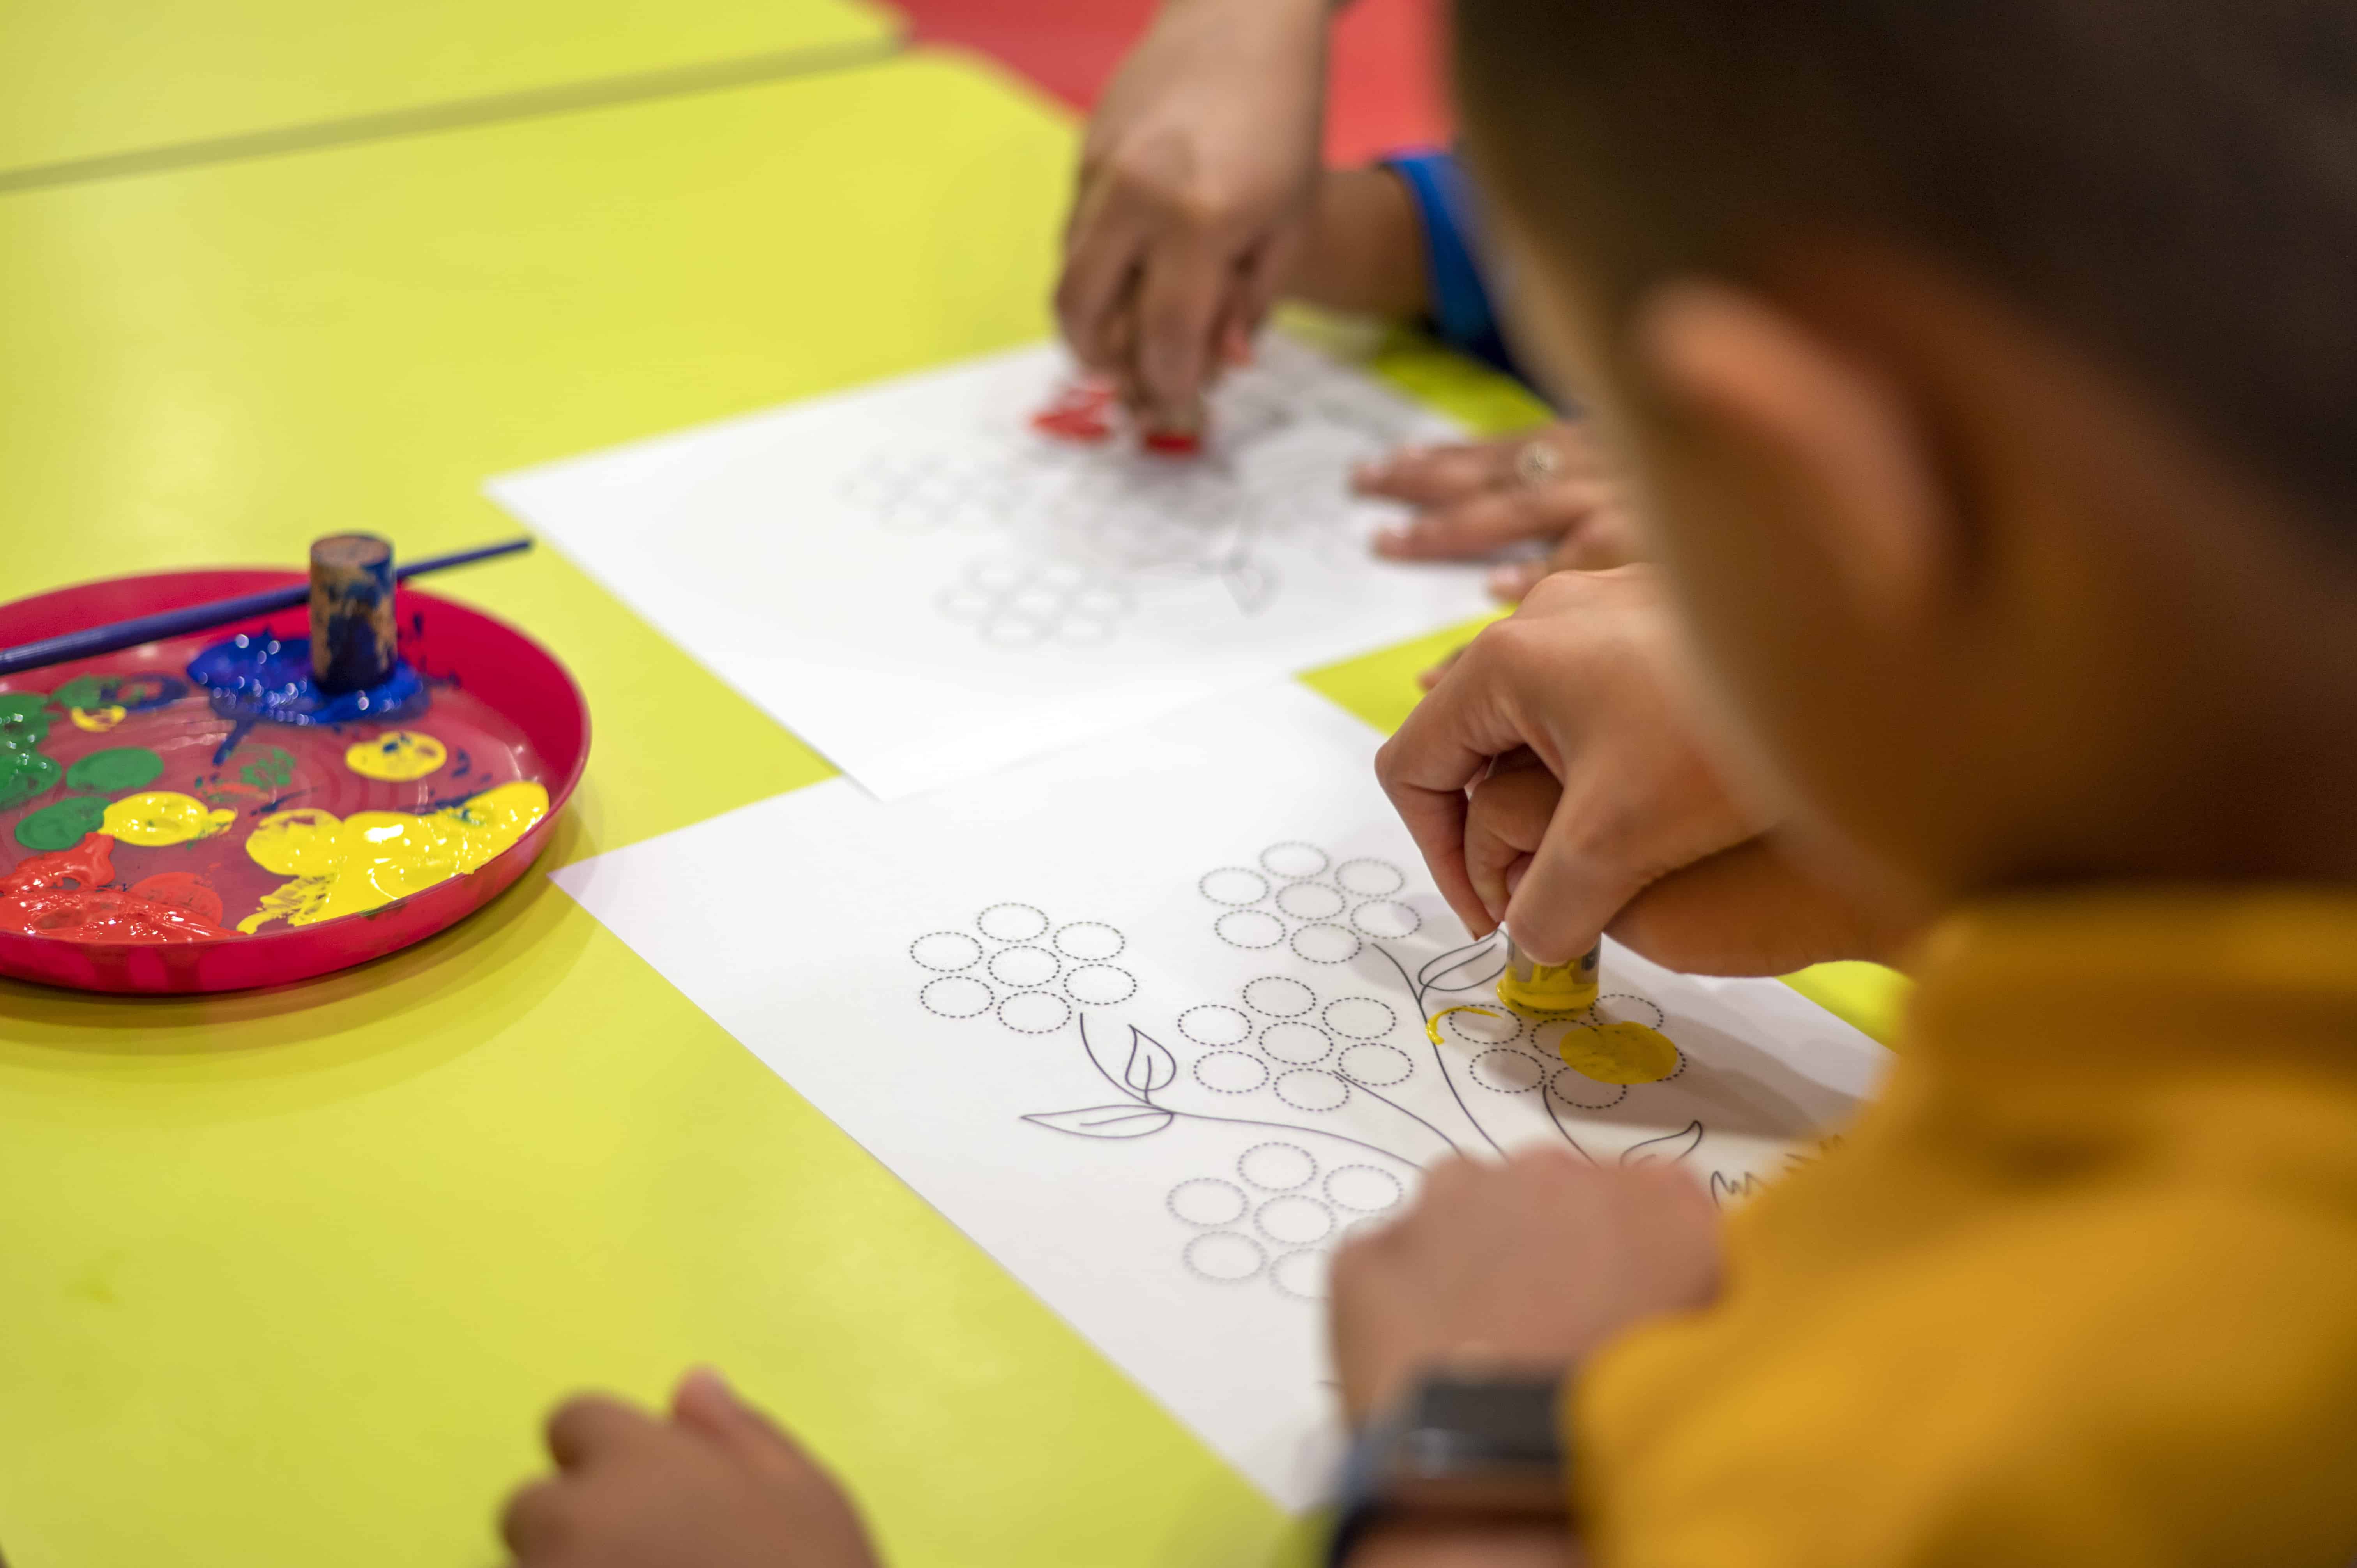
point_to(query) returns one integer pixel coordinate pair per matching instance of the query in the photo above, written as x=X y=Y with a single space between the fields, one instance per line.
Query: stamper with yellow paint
x=1548 y=990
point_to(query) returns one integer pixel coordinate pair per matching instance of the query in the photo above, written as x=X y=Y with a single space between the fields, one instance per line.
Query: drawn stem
x=1416 y=996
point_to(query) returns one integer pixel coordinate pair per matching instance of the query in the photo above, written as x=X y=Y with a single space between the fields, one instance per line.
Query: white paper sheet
x=923 y=587
x=1146 y=1020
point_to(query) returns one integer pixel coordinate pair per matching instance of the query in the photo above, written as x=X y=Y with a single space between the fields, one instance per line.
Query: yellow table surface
x=292 y=1275
x=82 y=79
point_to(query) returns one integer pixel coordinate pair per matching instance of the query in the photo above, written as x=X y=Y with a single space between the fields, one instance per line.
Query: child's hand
x=1589 y=680
x=716 y=1486
x=1527 y=1265
x=1476 y=498
x=1195 y=187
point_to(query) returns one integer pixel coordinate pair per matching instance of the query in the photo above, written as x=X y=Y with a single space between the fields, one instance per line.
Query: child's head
x=1991 y=373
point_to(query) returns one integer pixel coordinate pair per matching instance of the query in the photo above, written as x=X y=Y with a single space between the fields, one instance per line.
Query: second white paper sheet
x=1146 y=1019
x=924 y=588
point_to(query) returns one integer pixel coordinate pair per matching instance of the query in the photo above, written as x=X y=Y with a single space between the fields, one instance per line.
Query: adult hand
x=1475 y=499
x=716 y=1486
x=1588 y=681
x=1527 y=1265
x=1195 y=184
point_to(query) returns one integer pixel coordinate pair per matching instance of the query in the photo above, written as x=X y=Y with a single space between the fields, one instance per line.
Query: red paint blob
x=62 y=895
x=1081 y=412
x=1172 y=443
x=89 y=864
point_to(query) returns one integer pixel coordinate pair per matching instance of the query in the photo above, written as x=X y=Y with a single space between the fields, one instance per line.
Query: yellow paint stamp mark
x=157 y=817
x=98 y=721
x=396 y=756
x=1618 y=1053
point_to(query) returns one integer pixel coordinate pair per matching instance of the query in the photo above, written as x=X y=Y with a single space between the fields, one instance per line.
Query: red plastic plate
x=506 y=671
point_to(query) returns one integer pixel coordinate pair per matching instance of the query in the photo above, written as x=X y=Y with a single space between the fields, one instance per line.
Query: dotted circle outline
x=1055 y=971
x=1582 y=1104
x=1278 y=1086
x=1504 y=1016
x=1243 y=1201
x=1324 y=861
x=1245 y=1018
x=1233 y=903
x=927 y=1004
x=1078 y=969
x=1261 y=1040
x=1358 y=943
x=1416 y=920
x=1248 y=947
x=1246 y=1177
x=1120 y=941
x=1399 y=1189
x=1058 y=997
x=1279 y=980
x=1661 y=1019
x=1400 y=878
x=1333 y=1224
x=1391 y=1018
x=1276 y=1279
x=1245 y=1055
x=986 y=914
x=1186 y=1256
x=1339 y=910
x=955 y=969
x=1472 y=1070
x=1361 y=1077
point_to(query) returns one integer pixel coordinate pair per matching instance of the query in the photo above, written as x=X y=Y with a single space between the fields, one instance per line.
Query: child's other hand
x=1476 y=498
x=716 y=1486
x=1528 y=1266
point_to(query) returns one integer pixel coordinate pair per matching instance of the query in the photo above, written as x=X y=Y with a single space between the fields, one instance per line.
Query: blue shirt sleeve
x=1462 y=315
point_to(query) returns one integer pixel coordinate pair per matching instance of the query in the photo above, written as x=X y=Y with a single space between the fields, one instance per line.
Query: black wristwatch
x=1457 y=1447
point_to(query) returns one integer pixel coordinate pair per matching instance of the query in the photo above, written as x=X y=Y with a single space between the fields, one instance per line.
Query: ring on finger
x=1537 y=464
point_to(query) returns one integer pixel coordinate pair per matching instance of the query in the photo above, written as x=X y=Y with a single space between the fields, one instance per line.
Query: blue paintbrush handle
x=130 y=633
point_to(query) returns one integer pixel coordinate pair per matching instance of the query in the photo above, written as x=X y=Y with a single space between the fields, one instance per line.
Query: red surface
x=1384 y=93
x=497 y=663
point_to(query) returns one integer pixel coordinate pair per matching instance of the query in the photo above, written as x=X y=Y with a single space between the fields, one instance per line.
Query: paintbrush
x=137 y=629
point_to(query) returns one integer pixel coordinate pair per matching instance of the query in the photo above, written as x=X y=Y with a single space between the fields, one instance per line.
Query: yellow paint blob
x=1432 y=1025
x=363 y=862
x=396 y=756
x=161 y=816
x=1618 y=1053
x=98 y=721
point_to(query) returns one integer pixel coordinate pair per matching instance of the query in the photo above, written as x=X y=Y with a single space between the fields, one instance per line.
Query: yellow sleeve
x=2094 y=1377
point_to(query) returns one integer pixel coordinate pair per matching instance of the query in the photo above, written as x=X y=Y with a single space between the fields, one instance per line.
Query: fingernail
x=708 y=1379
x=1393 y=539
x=1509 y=582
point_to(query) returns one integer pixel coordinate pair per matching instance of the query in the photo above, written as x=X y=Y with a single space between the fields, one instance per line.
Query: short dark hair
x=2174 y=182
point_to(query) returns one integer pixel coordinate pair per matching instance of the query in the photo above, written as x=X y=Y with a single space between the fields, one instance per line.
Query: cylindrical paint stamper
x=353 y=627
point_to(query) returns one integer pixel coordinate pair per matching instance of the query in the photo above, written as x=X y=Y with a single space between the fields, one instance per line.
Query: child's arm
x=1361 y=252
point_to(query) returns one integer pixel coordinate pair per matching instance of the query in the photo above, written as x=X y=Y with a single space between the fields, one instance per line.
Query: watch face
x=1461 y=1445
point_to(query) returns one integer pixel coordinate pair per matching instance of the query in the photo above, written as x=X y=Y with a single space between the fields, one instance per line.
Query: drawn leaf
x=1668 y=1149
x=1151 y=1065
x=1123 y=1121
x=1725 y=1189
x=1463 y=969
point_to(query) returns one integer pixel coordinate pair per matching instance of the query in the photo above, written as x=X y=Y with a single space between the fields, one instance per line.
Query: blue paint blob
x=259 y=677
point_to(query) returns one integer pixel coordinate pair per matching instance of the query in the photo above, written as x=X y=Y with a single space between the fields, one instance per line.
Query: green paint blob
x=24 y=773
x=24 y=719
x=83 y=692
x=120 y=769
x=272 y=769
x=62 y=824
